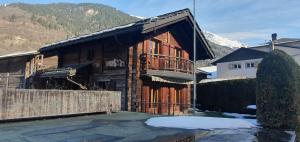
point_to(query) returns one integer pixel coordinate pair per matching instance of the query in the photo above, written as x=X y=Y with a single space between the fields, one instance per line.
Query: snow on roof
x=197 y=122
x=208 y=69
x=220 y=79
x=18 y=54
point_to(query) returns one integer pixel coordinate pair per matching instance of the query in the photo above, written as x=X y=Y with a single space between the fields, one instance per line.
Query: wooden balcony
x=161 y=65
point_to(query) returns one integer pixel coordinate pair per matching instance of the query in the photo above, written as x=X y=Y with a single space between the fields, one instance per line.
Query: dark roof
x=241 y=54
x=293 y=51
x=145 y=26
x=18 y=54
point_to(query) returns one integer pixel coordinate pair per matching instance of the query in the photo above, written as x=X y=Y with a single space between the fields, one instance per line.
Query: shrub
x=226 y=96
x=276 y=91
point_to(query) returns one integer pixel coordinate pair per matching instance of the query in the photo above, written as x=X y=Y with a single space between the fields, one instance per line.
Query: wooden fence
x=27 y=103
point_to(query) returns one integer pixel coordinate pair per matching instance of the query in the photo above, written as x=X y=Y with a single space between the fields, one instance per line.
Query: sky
x=248 y=21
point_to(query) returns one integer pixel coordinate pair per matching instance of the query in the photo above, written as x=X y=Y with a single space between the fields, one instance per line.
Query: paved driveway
x=122 y=126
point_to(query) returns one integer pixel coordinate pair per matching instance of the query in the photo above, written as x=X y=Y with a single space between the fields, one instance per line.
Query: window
x=154 y=46
x=178 y=53
x=250 y=65
x=235 y=66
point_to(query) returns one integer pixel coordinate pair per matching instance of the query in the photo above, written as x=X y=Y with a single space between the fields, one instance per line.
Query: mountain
x=220 y=46
x=25 y=27
x=223 y=41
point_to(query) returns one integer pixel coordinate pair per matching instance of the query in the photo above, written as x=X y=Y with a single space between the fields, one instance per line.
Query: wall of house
x=165 y=91
x=224 y=69
x=18 y=104
x=50 y=62
x=107 y=60
x=12 y=72
x=164 y=98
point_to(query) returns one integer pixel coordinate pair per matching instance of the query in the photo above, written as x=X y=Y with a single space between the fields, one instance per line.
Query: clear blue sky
x=249 y=21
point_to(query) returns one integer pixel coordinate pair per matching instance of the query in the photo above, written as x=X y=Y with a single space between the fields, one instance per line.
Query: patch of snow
x=139 y=17
x=196 y=122
x=223 y=41
x=237 y=115
x=242 y=116
x=211 y=69
x=220 y=79
x=251 y=107
x=208 y=69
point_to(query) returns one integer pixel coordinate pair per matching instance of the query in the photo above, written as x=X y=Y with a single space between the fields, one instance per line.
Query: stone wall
x=28 y=103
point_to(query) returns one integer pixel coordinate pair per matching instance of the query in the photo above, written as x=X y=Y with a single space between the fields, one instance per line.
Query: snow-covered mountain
x=223 y=41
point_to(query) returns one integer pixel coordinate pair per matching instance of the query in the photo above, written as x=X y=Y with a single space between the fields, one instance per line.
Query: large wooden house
x=149 y=61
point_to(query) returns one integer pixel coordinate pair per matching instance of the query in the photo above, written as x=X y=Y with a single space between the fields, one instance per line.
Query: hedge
x=226 y=96
x=277 y=91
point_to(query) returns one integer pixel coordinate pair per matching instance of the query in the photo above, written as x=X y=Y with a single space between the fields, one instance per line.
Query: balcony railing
x=167 y=63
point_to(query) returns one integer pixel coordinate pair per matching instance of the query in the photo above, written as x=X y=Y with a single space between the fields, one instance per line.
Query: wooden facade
x=149 y=61
x=16 y=68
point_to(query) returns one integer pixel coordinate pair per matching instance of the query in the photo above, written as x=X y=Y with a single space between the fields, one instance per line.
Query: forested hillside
x=25 y=27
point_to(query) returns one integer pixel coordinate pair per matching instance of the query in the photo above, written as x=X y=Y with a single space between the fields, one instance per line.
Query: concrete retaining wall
x=25 y=103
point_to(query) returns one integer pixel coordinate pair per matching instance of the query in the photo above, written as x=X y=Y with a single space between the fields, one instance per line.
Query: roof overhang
x=18 y=54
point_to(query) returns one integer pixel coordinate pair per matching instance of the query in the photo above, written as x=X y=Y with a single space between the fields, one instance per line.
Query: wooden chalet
x=16 y=68
x=149 y=61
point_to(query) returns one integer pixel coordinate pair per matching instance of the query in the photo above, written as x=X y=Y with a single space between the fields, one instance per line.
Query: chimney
x=274 y=36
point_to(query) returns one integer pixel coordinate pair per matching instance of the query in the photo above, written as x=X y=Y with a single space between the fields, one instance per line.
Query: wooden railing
x=168 y=63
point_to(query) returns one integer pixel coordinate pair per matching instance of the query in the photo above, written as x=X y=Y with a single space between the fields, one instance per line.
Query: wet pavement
x=119 y=127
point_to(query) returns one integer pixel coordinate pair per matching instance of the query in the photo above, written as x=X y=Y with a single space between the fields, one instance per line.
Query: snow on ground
x=196 y=122
x=237 y=115
x=211 y=69
x=251 y=107
x=242 y=116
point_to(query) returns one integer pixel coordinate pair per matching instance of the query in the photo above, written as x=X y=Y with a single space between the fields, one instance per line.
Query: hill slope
x=25 y=27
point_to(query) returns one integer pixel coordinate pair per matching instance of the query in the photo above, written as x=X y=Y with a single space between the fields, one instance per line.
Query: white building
x=243 y=62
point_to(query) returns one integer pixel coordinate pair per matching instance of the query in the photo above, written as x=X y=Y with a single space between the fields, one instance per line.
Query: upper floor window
x=250 y=65
x=154 y=47
x=235 y=66
x=178 y=53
